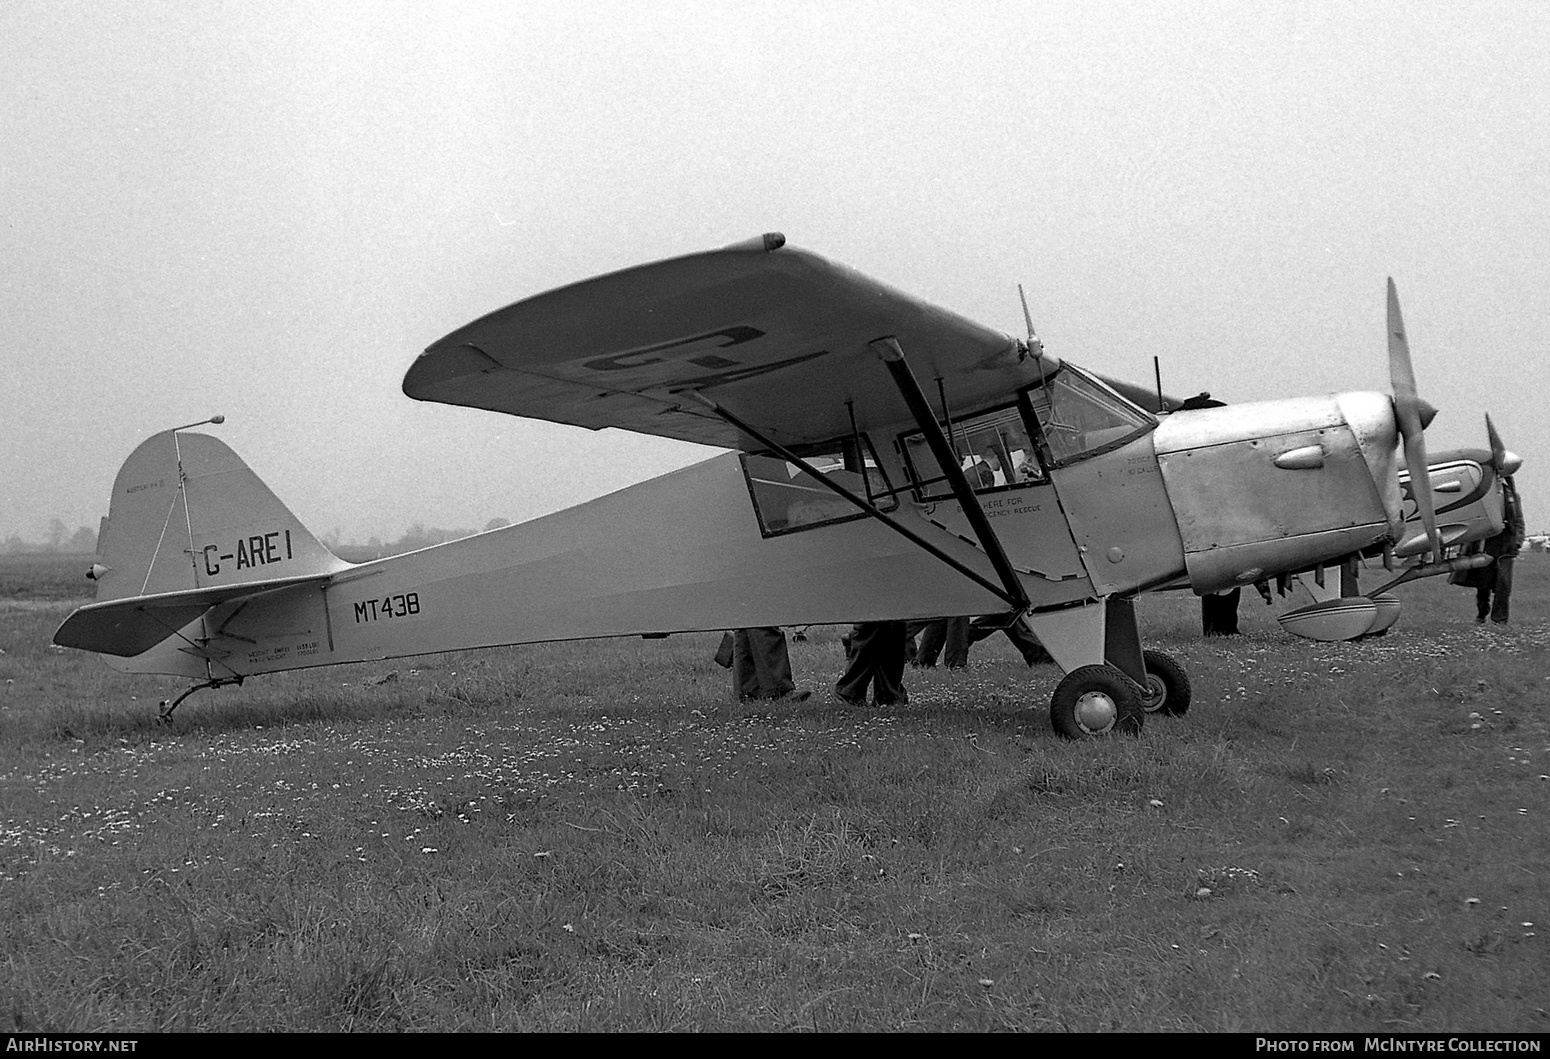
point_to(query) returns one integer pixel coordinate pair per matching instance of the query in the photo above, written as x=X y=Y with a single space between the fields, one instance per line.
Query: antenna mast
x=1034 y=345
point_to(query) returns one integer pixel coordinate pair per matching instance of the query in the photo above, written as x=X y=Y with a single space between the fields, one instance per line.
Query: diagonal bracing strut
x=892 y=356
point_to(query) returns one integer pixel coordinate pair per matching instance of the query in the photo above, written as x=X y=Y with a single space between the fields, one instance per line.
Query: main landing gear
x=1099 y=699
x=1111 y=683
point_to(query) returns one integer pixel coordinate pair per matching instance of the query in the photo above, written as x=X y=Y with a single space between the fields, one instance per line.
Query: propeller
x=1503 y=462
x=1412 y=415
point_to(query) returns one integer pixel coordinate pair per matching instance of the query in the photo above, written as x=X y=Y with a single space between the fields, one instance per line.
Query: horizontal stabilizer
x=127 y=627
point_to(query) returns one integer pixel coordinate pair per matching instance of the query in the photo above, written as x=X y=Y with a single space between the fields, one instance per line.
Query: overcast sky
x=268 y=210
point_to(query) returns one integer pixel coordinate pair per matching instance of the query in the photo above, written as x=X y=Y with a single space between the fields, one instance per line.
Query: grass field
x=596 y=836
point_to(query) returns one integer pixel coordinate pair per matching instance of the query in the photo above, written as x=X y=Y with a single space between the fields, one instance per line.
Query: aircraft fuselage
x=1084 y=510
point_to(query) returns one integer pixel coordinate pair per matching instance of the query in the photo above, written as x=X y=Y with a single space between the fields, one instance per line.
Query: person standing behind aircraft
x=875 y=659
x=1219 y=612
x=760 y=664
x=1493 y=596
x=1022 y=638
x=949 y=634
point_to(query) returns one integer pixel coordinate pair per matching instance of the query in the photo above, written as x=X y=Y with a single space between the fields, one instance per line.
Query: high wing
x=776 y=335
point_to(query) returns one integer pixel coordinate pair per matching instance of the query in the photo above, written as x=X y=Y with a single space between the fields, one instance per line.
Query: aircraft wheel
x=1095 y=700
x=1167 y=685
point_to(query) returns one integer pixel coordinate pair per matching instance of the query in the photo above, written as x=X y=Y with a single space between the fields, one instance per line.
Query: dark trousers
x=761 y=666
x=951 y=634
x=1022 y=638
x=876 y=661
x=1494 y=595
x=1219 y=613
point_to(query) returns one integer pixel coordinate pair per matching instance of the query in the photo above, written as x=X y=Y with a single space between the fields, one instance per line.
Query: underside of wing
x=776 y=335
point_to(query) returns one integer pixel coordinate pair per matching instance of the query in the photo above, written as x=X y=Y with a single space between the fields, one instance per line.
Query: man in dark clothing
x=876 y=661
x=1493 y=594
x=951 y=634
x=1022 y=638
x=760 y=664
x=1219 y=613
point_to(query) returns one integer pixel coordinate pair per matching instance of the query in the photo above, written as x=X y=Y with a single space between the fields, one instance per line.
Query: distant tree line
x=58 y=539
x=417 y=536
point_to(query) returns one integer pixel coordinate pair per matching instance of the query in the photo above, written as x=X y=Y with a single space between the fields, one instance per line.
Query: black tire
x=1168 y=688
x=1096 y=700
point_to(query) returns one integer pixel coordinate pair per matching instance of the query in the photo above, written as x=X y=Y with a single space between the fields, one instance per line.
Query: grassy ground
x=595 y=836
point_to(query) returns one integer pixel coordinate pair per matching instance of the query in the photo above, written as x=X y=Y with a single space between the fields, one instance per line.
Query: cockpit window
x=786 y=498
x=992 y=448
x=1081 y=417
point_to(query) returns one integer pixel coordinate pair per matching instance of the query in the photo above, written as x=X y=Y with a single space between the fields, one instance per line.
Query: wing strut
x=865 y=505
x=893 y=356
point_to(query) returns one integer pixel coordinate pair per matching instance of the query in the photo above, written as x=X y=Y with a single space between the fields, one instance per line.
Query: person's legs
x=1027 y=644
x=888 y=665
x=1227 y=617
x=912 y=631
x=956 y=636
x=771 y=661
x=932 y=637
x=1503 y=600
x=860 y=651
x=1219 y=613
x=745 y=669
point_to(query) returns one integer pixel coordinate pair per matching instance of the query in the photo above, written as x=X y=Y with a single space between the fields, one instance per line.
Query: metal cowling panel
x=1238 y=510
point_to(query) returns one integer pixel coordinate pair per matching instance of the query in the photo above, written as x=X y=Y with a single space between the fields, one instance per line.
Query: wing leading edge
x=775 y=334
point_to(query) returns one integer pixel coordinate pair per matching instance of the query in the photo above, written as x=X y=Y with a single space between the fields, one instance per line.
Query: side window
x=993 y=451
x=1081 y=417
x=786 y=498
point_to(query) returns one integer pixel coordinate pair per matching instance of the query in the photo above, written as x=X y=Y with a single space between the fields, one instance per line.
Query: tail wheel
x=1167 y=685
x=1096 y=700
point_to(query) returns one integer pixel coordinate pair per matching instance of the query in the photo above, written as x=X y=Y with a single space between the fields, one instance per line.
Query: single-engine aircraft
x=857 y=414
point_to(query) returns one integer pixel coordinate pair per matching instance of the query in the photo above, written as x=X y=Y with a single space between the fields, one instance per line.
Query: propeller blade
x=1408 y=414
x=1502 y=461
x=1401 y=373
x=1498 y=450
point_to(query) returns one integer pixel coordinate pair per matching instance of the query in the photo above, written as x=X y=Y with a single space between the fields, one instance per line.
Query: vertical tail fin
x=187 y=513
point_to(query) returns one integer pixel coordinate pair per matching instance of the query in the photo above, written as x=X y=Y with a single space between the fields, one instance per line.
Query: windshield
x=1081 y=417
